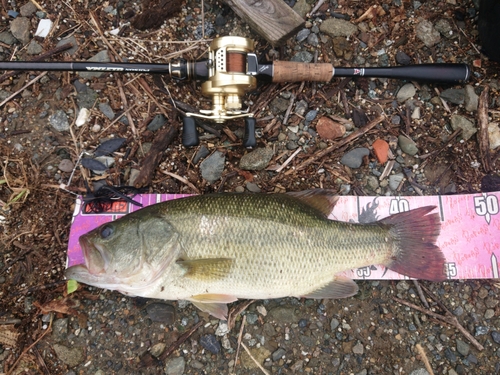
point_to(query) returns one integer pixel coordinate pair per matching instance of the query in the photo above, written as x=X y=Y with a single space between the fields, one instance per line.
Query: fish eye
x=106 y=231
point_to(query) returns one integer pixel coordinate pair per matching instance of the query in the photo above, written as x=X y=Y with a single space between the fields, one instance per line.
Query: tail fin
x=415 y=234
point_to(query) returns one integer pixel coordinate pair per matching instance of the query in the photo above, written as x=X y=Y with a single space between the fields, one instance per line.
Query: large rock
x=338 y=27
x=213 y=166
x=426 y=32
x=20 y=28
x=71 y=357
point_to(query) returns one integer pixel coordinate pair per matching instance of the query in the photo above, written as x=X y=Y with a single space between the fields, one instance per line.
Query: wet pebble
x=495 y=335
x=462 y=347
x=406 y=92
x=257 y=159
x=402 y=58
x=252 y=318
x=467 y=126
x=161 y=312
x=329 y=129
x=334 y=323
x=407 y=145
x=210 y=343
x=303 y=323
x=278 y=354
x=426 y=32
x=212 y=167
x=175 y=366
x=59 y=121
x=354 y=158
x=158 y=122
x=455 y=96
x=302 y=35
x=481 y=330
x=66 y=165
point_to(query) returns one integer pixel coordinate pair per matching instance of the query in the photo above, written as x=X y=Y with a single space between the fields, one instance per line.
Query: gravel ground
x=456 y=329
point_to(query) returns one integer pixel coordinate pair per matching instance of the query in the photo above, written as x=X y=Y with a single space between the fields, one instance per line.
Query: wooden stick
x=24 y=87
x=351 y=137
x=424 y=359
x=240 y=336
x=484 y=141
x=253 y=359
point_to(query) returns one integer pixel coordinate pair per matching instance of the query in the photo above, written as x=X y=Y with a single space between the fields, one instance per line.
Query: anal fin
x=214 y=304
x=340 y=287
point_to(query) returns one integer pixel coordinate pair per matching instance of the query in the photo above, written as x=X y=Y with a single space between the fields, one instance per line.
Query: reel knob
x=249 y=136
x=189 y=134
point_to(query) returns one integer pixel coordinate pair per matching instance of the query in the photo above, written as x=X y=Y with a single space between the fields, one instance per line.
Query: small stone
x=462 y=347
x=329 y=129
x=471 y=99
x=467 y=126
x=302 y=7
x=257 y=159
x=157 y=349
x=60 y=329
x=71 y=40
x=334 y=323
x=495 y=335
x=311 y=115
x=34 y=48
x=175 y=366
x=407 y=145
x=66 y=165
x=313 y=40
x=59 y=121
x=106 y=110
x=157 y=123
x=200 y=154
x=402 y=58
x=494 y=135
x=212 y=167
x=395 y=180
x=338 y=27
x=444 y=27
x=426 y=32
x=354 y=158
x=381 y=150
x=283 y=314
x=71 y=357
x=278 y=105
x=252 y=318
x=7 y=38
x=481 y=330
x=161 y=312
x=416 y=113
x=302 y=35
x=303 y=56
x=419 y=371
x=406 y=92
x=210 y=343
x=278 y=354
x=489 y=313
x=27 y=9
x=358 y=348
x=455 y=96
x=20 y=29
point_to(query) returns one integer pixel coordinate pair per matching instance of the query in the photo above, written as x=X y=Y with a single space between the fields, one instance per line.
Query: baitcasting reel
x=231 y=69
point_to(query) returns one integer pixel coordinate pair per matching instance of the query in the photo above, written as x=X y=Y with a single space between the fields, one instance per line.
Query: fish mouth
x=96 y=259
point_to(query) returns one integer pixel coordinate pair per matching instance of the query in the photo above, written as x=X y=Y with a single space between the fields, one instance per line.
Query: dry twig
x=424 y=359
x=484 y=141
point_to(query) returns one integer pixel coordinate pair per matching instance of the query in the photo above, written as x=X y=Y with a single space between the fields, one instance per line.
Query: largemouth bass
x=217 y=248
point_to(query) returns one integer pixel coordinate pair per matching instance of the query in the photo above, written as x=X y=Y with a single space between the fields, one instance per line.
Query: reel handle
x=189 y=134
x=249 y=137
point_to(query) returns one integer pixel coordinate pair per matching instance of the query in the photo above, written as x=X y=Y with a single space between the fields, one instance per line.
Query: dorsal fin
x=320 y=199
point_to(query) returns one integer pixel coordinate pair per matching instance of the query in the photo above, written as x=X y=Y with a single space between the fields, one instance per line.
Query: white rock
x=83 y=117
x=43 y=28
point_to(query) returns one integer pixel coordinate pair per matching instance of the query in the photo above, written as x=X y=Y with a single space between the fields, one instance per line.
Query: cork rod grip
x=289 y=71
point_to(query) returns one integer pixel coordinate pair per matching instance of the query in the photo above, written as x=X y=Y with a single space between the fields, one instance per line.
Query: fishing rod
x=232 y=69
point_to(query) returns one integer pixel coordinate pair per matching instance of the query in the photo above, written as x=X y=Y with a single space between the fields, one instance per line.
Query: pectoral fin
x=340 y=287
x=206 y=269
x=214 y=304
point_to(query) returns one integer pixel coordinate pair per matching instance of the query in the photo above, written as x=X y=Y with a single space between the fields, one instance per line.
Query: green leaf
x=72 y=286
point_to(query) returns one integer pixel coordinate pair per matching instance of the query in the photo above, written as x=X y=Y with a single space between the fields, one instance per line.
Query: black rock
x=495 y=335
x=402 y=58
x=210 y=343
x=161 y=312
